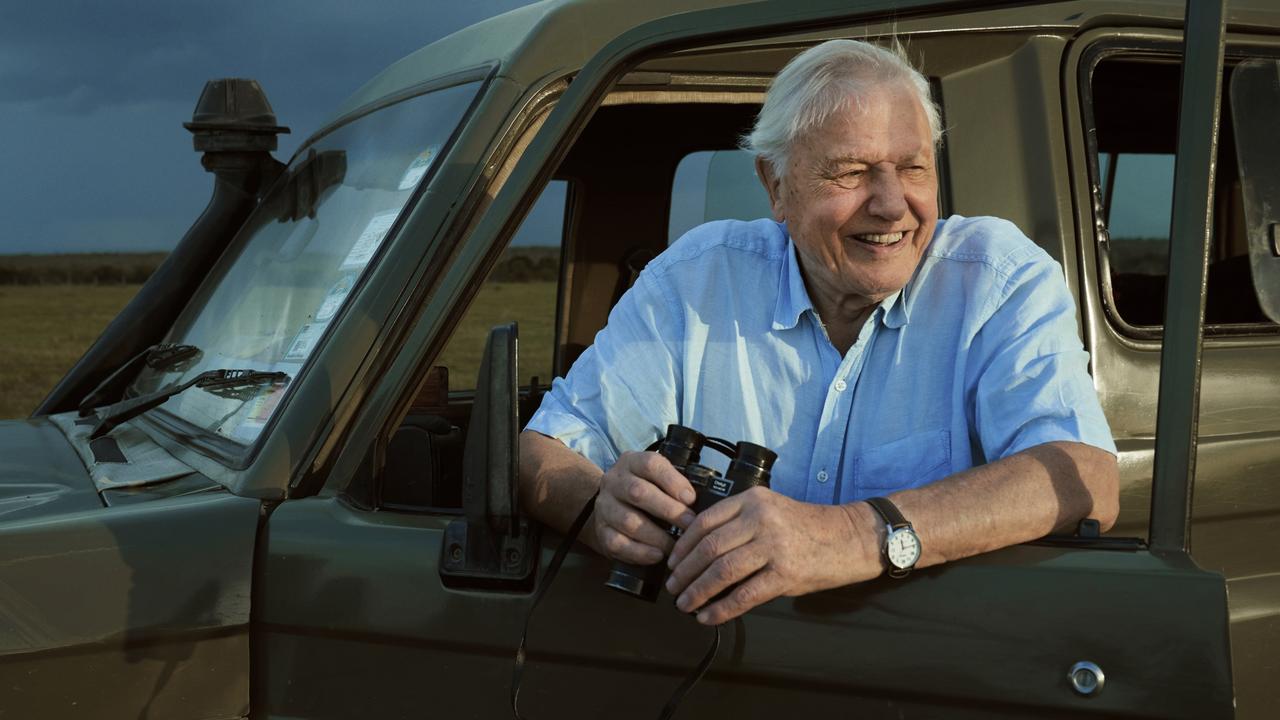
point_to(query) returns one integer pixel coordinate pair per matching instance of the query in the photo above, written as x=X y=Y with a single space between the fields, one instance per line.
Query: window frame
x=1136 y=47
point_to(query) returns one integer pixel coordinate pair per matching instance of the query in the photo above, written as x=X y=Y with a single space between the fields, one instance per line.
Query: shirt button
x=841 y=385
x=822 y=476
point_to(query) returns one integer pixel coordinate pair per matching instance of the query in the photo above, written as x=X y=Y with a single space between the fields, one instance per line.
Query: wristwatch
x=902 y=545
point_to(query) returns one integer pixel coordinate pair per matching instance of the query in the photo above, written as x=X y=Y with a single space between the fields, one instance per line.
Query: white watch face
x=903 y=548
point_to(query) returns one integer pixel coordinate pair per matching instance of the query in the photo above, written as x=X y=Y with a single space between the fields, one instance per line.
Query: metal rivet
x=1086 y=678
x=455 y=553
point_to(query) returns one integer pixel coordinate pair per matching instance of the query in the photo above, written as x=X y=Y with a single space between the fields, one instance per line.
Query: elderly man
x=931 y=367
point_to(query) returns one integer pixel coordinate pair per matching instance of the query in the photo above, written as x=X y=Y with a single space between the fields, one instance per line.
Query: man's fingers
x=705 y=522
x=722 y=540
x=659 y=471
x=727 y=570
x=756 y=590
x=633 y=524
x=621 y=547
x=639 y=492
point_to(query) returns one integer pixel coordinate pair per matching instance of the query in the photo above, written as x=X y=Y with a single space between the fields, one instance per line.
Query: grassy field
x=532 y=304
x=44 y=329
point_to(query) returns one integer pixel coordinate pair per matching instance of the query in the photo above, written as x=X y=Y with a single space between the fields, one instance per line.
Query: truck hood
x=40 y=473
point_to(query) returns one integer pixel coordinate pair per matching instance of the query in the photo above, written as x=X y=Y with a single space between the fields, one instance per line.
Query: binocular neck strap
x=554 y=567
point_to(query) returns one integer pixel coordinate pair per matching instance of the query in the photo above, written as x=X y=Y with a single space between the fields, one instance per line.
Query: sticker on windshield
x=304 y=342
x=369 y=241
x=264 y=403
x=418 y=168
x=334 y=298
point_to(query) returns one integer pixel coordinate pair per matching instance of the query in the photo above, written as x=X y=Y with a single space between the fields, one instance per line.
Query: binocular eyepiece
x=749 y=467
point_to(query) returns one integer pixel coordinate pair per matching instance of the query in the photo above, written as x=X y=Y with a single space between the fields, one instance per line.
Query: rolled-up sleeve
x=624 y=389
x=1029 y=374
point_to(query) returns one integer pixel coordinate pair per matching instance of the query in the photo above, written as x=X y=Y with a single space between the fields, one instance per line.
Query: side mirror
x=1255 y=110
x=491 y=545
x=490 y=460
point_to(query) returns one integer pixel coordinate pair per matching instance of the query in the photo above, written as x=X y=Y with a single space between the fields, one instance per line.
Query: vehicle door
x=1124 y=133
x=369 y=602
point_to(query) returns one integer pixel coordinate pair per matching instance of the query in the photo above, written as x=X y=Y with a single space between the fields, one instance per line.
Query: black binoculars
x=749 y=466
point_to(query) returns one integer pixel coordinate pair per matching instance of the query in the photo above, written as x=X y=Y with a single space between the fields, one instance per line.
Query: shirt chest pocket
x=909 y=462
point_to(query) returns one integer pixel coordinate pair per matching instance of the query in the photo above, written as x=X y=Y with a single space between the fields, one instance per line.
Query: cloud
x=93 y=95
x=75 y=56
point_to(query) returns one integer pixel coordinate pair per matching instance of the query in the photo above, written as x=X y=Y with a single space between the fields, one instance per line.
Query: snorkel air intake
x=235 y=129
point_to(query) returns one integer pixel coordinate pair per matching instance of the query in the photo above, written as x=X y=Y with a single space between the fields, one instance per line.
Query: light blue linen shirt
x=976 y=358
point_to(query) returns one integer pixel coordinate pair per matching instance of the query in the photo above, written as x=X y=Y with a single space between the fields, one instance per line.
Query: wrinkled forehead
x=885 y=118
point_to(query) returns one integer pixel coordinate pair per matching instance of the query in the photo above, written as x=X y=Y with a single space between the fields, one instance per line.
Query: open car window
x=300 y=257
x=521 y=287
x=1134 y=103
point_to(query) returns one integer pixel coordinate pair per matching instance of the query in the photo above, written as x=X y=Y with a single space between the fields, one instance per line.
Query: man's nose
x=887 y=198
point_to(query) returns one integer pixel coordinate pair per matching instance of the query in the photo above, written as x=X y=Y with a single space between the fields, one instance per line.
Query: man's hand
x=639 y=483
x=773 y=546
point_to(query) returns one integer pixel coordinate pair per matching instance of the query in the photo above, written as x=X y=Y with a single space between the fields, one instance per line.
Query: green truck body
x=347 y=543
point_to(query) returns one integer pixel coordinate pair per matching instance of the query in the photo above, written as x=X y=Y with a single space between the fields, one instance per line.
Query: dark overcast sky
x=93 y=94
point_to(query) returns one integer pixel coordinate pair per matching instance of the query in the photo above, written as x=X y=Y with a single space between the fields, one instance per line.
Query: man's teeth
x=880 y=239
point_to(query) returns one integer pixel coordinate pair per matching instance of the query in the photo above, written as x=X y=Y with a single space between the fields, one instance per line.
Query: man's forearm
x=768 y=545
x=1016 y=499
x=1013 y=500
x=555 y=482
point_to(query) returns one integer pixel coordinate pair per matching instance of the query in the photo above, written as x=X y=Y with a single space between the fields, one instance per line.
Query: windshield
x=295 y=263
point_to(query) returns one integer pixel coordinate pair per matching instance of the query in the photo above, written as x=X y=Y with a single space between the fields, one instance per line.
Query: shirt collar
x=896 y=308
x=793 y=297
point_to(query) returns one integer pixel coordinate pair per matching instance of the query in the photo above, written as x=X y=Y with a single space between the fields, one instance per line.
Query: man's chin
x=880 y=287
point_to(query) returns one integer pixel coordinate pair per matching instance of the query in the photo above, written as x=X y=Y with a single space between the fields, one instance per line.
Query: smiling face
x=860 y=199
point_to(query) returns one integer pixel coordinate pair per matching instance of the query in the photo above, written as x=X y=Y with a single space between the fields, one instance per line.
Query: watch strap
x=888 y=511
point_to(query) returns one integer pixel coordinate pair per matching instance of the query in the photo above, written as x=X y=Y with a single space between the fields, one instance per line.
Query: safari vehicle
x=334 y=531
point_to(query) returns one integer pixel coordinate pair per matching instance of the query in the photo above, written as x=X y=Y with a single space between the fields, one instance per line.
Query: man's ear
x=772 y=185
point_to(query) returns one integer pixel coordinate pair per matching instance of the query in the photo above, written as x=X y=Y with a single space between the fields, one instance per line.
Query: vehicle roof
x=556 y=37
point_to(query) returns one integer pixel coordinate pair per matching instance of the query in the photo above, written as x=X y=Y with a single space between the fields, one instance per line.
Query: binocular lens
x=756 y=456
x=681 y=445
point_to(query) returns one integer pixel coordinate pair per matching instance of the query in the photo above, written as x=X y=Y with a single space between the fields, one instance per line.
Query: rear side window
x=1133 y=100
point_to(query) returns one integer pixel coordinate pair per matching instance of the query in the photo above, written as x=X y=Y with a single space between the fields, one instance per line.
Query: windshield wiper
x=223 y=383
x=157 y=357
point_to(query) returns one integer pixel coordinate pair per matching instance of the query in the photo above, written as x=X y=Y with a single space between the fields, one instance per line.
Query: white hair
x=821 y=82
